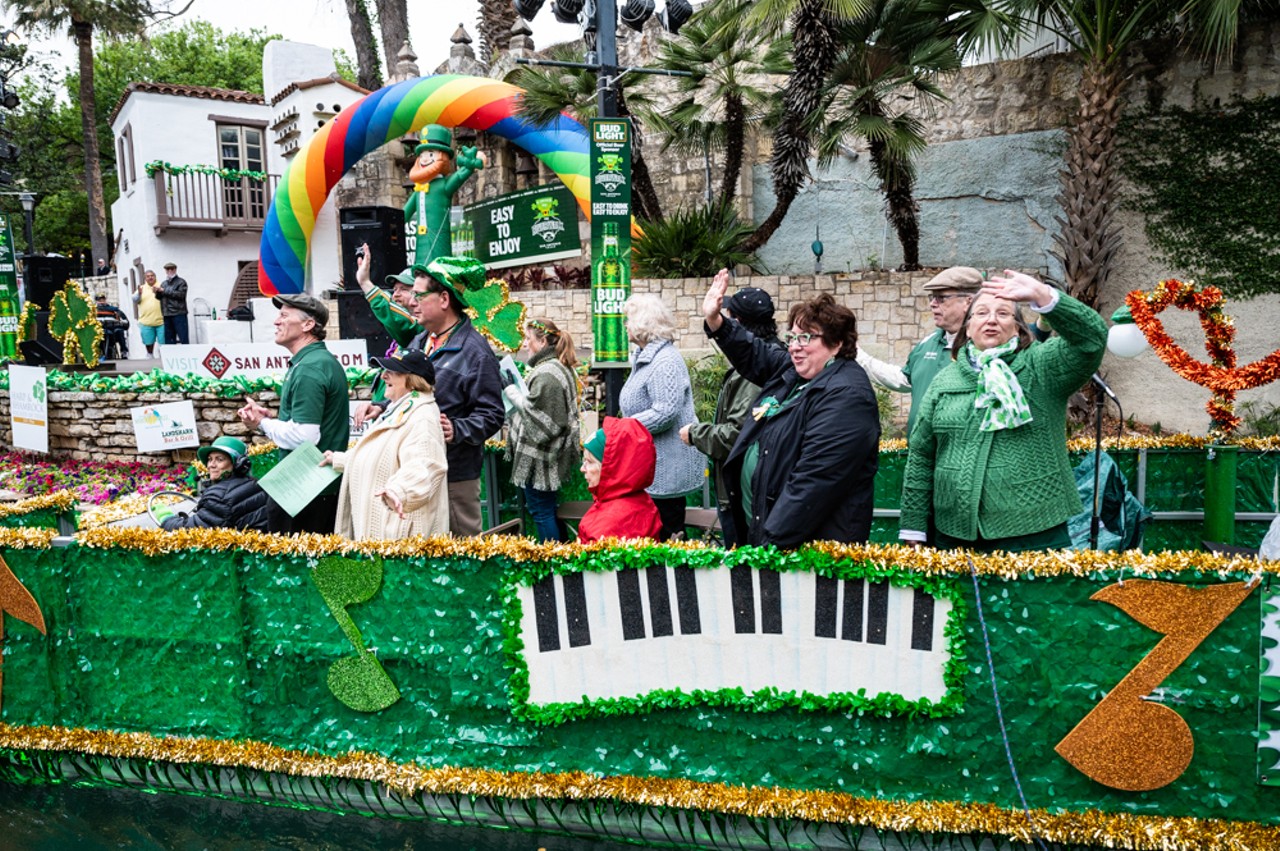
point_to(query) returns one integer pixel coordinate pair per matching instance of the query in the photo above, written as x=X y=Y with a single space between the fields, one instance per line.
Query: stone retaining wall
x=99 y=427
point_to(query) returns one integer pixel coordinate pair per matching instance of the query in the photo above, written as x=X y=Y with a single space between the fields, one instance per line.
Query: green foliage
x=888 y=412
x=692 y=243
x=1261 y=419
x=1205 y=179
x=706 y=374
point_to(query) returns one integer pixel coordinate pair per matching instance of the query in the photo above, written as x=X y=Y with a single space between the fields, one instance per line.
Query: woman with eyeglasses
x=803 y=466
x=987 y=459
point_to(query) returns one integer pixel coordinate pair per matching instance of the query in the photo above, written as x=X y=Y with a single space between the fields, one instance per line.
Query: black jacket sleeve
x=756 y=359
x=235 y=503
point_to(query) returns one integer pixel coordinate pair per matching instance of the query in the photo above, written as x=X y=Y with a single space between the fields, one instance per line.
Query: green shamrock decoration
x=37 y=391
x=73 y=319
x=496 y=316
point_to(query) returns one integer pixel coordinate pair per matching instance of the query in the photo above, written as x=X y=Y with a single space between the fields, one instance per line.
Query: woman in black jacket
x=229 y=498
x=804 y=465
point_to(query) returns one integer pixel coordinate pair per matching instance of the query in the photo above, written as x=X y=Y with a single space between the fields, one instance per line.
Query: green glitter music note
x=358 y=681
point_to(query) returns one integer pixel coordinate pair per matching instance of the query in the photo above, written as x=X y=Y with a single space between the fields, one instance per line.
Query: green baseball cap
x=229 y=446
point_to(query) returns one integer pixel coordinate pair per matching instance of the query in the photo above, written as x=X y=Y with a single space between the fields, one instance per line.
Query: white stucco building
x=169 y=138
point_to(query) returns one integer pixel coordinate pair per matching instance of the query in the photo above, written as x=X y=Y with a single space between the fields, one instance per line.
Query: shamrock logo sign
x=38 y=391
x=1222 y=376
x=73 y=319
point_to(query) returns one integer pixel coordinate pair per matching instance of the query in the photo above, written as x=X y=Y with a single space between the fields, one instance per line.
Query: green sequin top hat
x=459 y=275
x=435 y=137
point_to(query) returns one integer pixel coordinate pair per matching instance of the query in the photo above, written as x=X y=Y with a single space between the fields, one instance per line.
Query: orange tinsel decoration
x=1221 y=376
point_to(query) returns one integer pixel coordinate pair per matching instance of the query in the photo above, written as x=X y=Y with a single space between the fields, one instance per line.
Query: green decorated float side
x=216 y=648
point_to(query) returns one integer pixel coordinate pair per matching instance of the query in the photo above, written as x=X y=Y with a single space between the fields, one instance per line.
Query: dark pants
x=175 y=329
x=1053 y=538
x=671 y=510
x=541 y=506
x=320 y=516
x=728 y=528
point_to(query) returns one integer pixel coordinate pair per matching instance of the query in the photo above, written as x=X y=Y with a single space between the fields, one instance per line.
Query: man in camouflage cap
x=950 y=292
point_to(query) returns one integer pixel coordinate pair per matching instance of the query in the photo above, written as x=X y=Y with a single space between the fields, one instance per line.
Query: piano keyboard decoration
x=728 y=635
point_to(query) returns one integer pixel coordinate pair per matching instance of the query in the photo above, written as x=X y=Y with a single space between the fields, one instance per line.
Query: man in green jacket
x=950 y=293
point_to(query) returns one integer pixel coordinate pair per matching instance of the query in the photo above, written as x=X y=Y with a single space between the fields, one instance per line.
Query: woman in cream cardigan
x=393 y=483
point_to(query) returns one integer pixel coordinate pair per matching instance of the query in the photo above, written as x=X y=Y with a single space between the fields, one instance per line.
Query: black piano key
x=770 y=602
x=575 y=610
x=744 y=599
x=630 y=604
x=687 y=601
x=824 y=607
x=922 y=621
x=659 y=601
x=877 y=612
x=851 y=628
x=544 y=613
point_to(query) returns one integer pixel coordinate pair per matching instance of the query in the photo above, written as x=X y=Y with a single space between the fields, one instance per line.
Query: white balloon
x=1126 y=340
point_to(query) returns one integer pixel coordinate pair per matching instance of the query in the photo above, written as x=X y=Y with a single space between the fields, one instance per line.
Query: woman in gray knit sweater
x=544 y=423
x=659 y=395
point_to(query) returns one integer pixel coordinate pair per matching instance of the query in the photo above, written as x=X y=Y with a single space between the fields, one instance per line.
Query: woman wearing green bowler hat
x=228 y=498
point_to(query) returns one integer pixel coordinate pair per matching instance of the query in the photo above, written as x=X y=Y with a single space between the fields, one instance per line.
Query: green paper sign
x=535 y=225
x=610 y=236
x=8 y=293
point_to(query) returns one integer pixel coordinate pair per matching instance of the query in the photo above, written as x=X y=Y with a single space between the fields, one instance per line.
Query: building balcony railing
x=194 y=200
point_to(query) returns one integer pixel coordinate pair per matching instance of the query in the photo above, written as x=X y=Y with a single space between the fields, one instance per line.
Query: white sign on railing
x=29 y=407
x=252 y=360
x=170 y=425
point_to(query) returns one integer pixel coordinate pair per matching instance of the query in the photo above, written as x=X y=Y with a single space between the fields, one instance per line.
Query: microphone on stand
x=1102 y=385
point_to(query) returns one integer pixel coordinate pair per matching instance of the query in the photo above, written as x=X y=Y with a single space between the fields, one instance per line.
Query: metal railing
x=212 y=202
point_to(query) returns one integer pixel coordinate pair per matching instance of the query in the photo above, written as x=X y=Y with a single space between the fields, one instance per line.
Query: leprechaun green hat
x=459 y=275
x=229 y=446
x=435 y=137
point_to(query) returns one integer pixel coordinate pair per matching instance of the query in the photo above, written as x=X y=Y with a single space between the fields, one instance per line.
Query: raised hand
x=1017 y=286
x=714 y=299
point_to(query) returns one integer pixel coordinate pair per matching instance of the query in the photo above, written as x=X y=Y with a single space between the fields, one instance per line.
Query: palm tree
x=551 y=90
x=1103 y=35
x=497 y=17
x=813 y=25
x=368 y=68
x=393 y=21
x=82 y=18
x=883 y=77
x=725 y=55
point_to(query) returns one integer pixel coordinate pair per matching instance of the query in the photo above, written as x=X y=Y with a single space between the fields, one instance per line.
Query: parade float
x=673 y=695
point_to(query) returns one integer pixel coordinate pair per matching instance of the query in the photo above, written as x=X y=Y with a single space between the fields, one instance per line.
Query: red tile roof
x=182 y=90
x=318 y=81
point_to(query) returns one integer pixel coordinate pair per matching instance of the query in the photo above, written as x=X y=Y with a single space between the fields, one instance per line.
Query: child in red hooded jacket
x=618 y=465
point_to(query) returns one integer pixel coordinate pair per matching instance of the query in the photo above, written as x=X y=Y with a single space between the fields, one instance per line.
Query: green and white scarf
x=998 y=389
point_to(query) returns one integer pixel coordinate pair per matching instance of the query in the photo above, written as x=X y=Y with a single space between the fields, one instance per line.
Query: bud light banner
x=8 y=293
x=534 y=225
x=610 y=235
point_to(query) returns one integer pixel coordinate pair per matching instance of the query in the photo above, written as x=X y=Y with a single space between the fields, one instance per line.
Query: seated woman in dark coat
x=229 y=498
x=803 y=466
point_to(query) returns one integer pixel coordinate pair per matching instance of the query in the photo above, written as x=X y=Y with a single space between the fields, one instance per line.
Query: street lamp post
x=28 y=202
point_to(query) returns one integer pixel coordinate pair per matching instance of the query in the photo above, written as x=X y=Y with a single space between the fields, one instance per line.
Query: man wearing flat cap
x=753 y=308
x=172 y=293
x=313 y=406
x=950 y=292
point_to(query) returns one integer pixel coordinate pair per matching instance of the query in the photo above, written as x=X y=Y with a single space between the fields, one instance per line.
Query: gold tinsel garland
x=63 y=500
x=1090 y=827
x=130 y=505
x=1078 y=563
x=21 y=538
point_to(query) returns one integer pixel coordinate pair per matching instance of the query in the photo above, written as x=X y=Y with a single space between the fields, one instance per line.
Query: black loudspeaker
x=44 y=349
x=382 y=228
x=44 y=276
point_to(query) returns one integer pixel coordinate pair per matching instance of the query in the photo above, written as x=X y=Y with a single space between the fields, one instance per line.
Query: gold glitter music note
x=15 y=600
x=1128 y=742
x=359 y=681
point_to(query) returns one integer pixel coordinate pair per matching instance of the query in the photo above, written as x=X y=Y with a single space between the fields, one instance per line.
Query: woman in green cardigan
x=987 y=459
